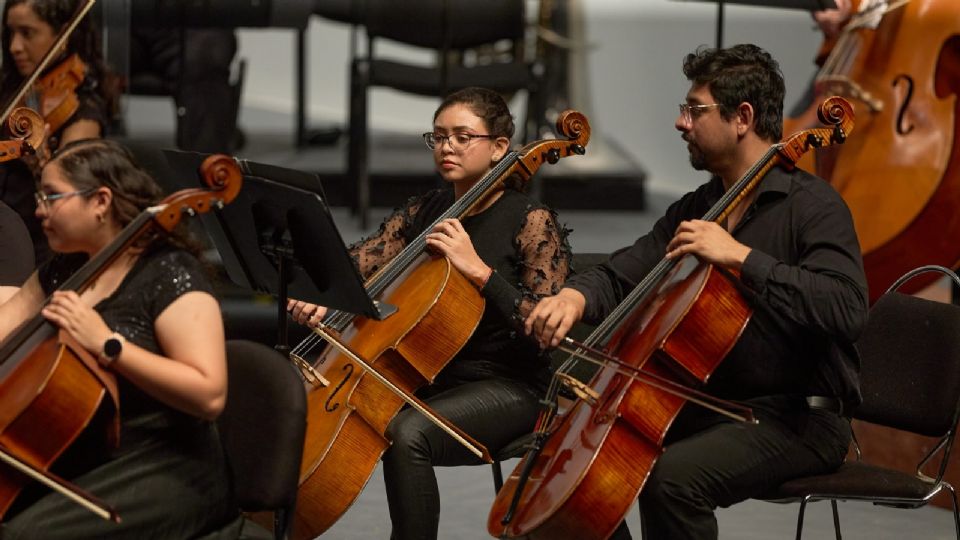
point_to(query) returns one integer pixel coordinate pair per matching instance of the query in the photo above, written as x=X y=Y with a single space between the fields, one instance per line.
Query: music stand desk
x=278 y=237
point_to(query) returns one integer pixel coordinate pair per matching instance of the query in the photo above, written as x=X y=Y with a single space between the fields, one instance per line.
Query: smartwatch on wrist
x=112 y=348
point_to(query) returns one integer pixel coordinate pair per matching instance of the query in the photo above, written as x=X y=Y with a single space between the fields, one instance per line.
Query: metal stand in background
x=306 y=136
x=807 y=5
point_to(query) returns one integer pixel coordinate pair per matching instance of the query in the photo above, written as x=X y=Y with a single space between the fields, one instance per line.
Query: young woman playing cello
x=30 y=28
x=514 y=251
x=152 y=320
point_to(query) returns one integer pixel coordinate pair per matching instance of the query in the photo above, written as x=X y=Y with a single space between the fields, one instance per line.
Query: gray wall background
x=632 y=83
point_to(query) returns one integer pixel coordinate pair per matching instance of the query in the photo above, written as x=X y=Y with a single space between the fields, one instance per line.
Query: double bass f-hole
x=326 y=406
x=901 y=129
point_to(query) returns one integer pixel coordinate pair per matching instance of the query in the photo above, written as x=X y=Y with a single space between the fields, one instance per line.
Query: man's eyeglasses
x=458 y=141
x=689 y=112
x=44 y=200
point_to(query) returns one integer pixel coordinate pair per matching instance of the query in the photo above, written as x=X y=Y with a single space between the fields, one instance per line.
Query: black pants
x=711 y=461
x=493 y=412
x=172 y=487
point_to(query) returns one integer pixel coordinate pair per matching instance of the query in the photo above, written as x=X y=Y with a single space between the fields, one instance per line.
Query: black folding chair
x=910 y=378
x=262 y=430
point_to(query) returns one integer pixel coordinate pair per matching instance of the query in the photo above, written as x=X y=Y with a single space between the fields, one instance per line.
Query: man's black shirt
x=803 y=277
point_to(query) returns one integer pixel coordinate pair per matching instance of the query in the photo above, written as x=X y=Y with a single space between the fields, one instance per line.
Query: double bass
x=374 y=367
x=898 y=63
x=586 y=467
x=52 y=387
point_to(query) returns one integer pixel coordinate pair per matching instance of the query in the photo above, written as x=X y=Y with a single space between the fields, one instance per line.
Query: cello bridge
x=310 y=374
x=580 y=389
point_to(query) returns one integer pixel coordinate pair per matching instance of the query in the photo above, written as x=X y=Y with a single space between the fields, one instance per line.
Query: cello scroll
x=221 y=173
x=836 y=113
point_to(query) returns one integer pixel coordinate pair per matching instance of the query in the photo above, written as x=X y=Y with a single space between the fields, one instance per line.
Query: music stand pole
x=283 y=343
x=719 y=24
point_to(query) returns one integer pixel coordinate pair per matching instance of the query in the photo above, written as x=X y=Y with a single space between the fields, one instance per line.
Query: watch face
x=112 y=347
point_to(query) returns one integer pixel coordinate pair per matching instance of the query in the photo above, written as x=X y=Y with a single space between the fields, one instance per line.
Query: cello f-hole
x=603 y=410
x=901 y=129
x=327 y=405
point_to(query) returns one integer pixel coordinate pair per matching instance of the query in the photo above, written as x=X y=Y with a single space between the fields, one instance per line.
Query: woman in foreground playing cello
x=83 y=97
x=151 y=319
x=514 y=251
x=794 y=251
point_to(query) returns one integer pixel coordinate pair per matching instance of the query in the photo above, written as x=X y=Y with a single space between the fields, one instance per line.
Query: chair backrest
x=446 y=24
x=262 y=426
x=910 y=365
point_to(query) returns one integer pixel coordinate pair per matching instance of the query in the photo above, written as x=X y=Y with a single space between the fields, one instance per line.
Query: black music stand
x=808 y=5
x=278 y=237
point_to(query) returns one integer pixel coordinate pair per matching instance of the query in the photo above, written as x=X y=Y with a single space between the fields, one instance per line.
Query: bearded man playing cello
x=793 y=244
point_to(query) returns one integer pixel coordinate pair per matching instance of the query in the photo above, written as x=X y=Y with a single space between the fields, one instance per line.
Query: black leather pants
x=494 y=412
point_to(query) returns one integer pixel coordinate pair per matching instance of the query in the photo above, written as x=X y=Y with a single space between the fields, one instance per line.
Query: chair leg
x=803 y=508
x=497 y=477
x=281 y=523
x=836 y=518
x=956 y=510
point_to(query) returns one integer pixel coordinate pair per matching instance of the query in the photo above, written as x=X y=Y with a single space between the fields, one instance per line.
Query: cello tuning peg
x=553 y=156
x=814 y=141
x=578 y=149
x=839 y=136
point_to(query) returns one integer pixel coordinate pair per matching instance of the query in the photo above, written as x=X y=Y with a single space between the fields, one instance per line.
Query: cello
x=53 y=388
x=375 y=366
x=898 y=62
x=586 y=467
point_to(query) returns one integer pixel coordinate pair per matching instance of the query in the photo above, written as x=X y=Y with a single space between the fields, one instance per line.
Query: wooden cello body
x=592 y=471
x=900 y=172
x=437 y=312
x=587 y=466
x=52 y=387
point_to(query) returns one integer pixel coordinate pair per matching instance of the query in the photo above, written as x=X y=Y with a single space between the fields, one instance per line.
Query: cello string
x=672 y=387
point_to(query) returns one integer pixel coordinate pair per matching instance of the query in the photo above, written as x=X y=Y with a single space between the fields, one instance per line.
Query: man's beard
x=697 y=160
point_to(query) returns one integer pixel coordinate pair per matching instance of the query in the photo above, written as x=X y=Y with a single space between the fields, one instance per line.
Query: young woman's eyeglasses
x=44 y=200
x=458 y=141
x=689 y=112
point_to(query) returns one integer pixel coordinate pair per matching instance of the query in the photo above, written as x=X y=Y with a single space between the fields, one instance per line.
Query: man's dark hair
x=742 y=73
